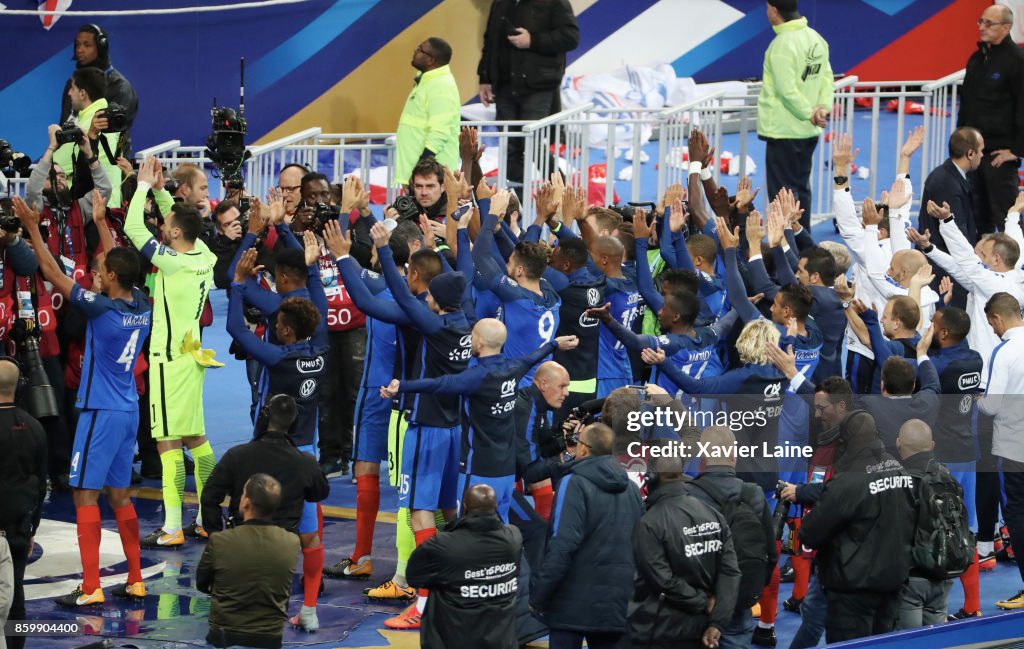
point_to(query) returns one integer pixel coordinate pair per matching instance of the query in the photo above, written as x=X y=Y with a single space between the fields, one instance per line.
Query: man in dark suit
x=948 y=183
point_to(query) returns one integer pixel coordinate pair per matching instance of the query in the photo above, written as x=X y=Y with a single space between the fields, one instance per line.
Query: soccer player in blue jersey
x=613 y=368
x=698 y=254
x=691 y=349
x=372 y=415
x=104 y=447
x=423 y=267
x=489 y=396
x=294 y=366
x=530 y=305
x=756 y=387
x=789 y=310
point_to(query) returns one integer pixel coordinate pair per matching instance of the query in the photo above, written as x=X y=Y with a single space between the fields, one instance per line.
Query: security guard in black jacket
x=687 y=572
x=472 y=571
x=22 y=484
x=273 y=453
x=862 y=528
x=992 y=101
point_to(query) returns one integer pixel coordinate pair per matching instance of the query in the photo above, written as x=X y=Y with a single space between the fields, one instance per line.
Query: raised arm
x=879 y=345
x=47 y=264
x=421 y=316
x=465 y=383
x=734 y=288
x=350 y=272
x=267 y=354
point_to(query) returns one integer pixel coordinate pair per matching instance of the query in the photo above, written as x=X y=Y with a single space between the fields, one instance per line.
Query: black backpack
x=943 y=543
x=748 y=537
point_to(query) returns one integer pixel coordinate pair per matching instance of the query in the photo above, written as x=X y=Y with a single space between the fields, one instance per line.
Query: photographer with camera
x=92 y=50
x=92 y=115
x=426 y=194
x=62 y=219
x=28 y=322
x=225 y=239
x=346 y=324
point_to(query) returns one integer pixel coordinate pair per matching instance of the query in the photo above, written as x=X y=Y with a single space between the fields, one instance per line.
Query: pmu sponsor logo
x=587 y=321
x=310 y=365
x=968 y=381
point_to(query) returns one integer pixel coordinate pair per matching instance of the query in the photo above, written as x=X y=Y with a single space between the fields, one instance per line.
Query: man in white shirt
x=871 y=256
x=1004 y=399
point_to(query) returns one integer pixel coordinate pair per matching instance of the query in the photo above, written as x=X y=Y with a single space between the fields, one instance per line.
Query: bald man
x=472 y=571
x=923 y=599
x=613 y=368
x=22 y=483
x=537 y=440
x=717 y=486
x=489 y=393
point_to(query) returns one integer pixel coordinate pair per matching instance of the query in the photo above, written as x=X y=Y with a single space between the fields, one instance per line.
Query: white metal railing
x=267 y=159
x=544 y=140
x=940 y=114
x=561 y=141
x=840 y=121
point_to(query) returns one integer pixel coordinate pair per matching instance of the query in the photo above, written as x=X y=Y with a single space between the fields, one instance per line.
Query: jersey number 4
x=127 y=357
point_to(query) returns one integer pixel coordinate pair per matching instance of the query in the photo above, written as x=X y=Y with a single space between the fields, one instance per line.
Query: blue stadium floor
x=174 y=614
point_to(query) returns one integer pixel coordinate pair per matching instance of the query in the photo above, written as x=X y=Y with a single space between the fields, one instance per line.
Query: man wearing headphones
x=92 y=50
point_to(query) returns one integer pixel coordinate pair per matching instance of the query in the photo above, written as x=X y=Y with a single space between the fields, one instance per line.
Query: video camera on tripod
x=225 y=146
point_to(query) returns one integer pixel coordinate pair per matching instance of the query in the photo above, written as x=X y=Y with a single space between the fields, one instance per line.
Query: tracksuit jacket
x=586 y=578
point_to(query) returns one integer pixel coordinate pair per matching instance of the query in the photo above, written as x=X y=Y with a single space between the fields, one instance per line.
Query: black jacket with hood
x=863 y=524
x=684 y=554
x=586 y=578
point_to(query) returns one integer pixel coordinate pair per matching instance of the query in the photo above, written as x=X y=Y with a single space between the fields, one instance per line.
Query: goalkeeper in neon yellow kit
x=177 y=366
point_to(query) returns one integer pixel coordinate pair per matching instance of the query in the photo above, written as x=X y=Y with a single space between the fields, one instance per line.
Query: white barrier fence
x=563 y=140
